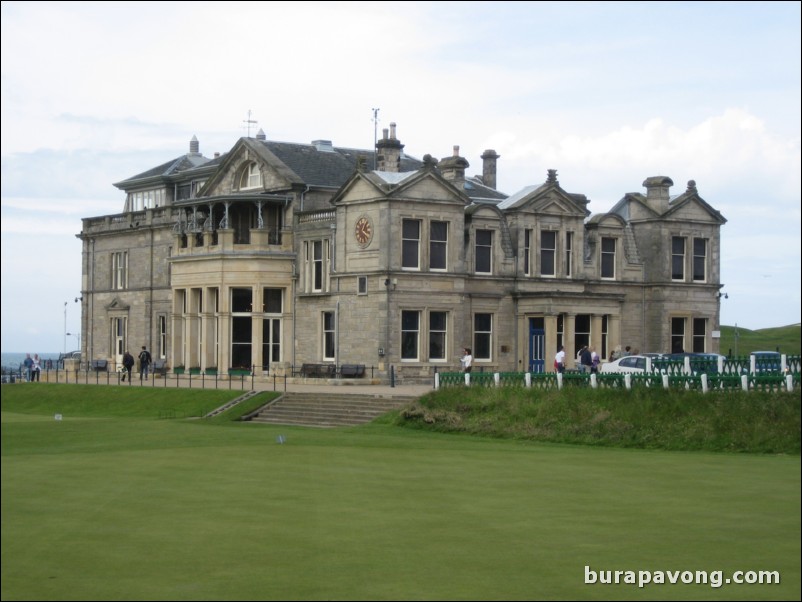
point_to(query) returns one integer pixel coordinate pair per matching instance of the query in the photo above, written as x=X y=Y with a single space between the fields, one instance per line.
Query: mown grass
x=758 y=422
x=113 y=503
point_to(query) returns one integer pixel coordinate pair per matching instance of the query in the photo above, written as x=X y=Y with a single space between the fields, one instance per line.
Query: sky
x=606 y=93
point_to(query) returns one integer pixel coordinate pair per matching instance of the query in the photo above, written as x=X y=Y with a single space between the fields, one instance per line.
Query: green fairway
x=101 y=506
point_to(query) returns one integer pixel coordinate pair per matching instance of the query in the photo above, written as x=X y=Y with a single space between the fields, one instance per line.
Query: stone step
x=329 y=409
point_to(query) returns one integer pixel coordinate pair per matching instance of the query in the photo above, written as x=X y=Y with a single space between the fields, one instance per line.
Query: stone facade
x=276 y=254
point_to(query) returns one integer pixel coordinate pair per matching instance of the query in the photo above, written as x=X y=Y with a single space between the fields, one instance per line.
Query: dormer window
x=251 y=177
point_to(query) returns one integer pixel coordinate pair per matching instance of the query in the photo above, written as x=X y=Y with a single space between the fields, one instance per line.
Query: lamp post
x=65 y=326
x=77 y=336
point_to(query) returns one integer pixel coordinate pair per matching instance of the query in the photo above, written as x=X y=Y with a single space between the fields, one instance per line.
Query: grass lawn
x=104 y=506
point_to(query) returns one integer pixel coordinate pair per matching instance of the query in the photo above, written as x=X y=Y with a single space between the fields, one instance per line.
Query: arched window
x=251 y=177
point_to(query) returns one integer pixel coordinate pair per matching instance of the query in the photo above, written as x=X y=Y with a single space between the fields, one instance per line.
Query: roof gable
x=690 y=206
x=548 y=198
x=424 y=185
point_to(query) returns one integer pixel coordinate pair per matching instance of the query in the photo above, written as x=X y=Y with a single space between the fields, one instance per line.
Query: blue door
x=537 y=348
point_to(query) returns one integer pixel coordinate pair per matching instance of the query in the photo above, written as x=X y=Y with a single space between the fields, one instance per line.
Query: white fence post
x=467 y=379
x=687 y=367
x=628 y=380
x=704 y=382
x=784 y=363
x=528 y=379
x=497 y=378
x=745 y=379
x=593 y=382
x=720 y=361
x=436 y=381
x=752 y=364
x=559 y=380
x=789 y=383
x=665 y=381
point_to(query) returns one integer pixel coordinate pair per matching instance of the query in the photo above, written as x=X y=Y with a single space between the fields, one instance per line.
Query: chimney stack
x=489 y=158
x=657 y=196
x=453 y=167
x=388 y=151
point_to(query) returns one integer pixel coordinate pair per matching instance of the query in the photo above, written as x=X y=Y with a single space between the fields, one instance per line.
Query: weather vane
x=249 y=121
x=375 y=140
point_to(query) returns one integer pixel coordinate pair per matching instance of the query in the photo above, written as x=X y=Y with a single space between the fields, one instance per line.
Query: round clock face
x=363 y=231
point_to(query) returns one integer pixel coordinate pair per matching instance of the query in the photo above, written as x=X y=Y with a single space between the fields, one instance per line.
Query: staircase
x=329 y=409
x=231 y=404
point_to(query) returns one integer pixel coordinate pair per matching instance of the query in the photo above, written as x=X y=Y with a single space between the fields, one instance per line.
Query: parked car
x=630 y=363
x=700 y=362
x=767 y=362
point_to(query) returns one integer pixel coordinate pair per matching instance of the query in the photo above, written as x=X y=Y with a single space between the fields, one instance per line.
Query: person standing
x=595 y=360
x=466 y=360
x=585 y=360
x=36 y=369
x=27 y=365
x=128 y=364
x=559 y=360
x=144 y=363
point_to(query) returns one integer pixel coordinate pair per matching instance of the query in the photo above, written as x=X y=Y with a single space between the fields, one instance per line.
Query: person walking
x=36 y=369
x=559 y=360
x=128 y=364
x=595 y=360
x=27 y=365
x=144 y=363
x=466 y=360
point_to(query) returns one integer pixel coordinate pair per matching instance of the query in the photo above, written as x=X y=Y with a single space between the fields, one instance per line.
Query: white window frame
x=329 y=332
x=548 y=251
x=700 y=260
x=678 y=258
x=607 y=255
x=251 y=177
x=405 y=332
x=527 y=252
x=443 y=333
x=119 y=270
x=488 y=333
x=409 y=242
x=486 y=248
x=438 y=244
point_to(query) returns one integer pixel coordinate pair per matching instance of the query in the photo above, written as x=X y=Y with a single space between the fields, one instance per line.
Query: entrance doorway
x=537 y=345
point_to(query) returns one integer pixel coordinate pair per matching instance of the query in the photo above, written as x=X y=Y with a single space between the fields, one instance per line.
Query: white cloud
x=606 y=93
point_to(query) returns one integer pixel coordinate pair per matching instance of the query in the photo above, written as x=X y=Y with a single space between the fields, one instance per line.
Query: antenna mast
x=375 y=139
x=249 y=121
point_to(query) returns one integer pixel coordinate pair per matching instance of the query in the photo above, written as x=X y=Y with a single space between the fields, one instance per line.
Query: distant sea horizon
x=13 y=360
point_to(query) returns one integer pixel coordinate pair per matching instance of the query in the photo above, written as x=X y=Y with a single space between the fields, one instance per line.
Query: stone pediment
x=423 y=185
x=547 y=199
x=275 y=175
x=117 y=305
x=691 y=207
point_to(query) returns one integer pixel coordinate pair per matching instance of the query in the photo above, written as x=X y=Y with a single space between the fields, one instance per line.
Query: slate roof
x=322 y=168
x=329 y=168
x=170 y=168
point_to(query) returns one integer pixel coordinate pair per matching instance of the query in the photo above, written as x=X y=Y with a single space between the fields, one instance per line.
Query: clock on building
x=363 y=231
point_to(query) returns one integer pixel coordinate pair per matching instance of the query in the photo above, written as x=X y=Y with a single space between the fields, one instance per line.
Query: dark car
x=767 y=362
x=699 y=362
